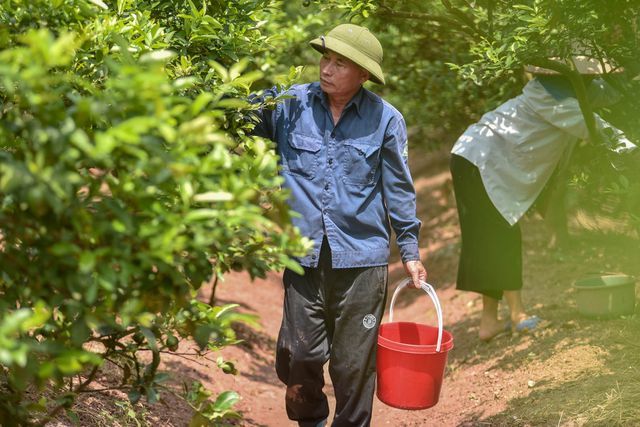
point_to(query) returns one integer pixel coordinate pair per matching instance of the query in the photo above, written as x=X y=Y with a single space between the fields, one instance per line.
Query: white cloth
x=517 y=146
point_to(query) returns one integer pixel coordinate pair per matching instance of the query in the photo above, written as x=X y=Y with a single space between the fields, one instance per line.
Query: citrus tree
x=450 y=61
x=126 y=181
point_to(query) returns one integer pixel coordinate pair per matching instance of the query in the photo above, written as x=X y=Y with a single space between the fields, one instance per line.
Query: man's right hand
x=416 y=271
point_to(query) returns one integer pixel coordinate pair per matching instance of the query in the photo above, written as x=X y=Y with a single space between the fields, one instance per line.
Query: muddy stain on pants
x=330 y=315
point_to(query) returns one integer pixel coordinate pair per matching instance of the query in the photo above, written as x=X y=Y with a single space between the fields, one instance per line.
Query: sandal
x=529 y=324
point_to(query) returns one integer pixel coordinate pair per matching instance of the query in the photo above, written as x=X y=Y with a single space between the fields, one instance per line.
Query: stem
x=190 y=359
x=100 y=390
x=151 y=369
x=184 y=356
x=212 y=299
x=79 y=389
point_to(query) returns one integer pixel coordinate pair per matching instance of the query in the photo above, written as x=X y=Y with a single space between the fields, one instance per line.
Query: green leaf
x=40 y=315
x=134 y=396
x=202 y=335
x=122 y=5
x=79 y=332
x=163 y=55
x=152 y=395
x=213 y=196
x=151 y=338
x=201 y=214
x=87 y=262
x=201 y=102
x=226 y=400
x=226 y=366
x=236 y=69
x=73 y=416
x=232 y=103
x=100 y=4
x=221 y=71
x=198 y=420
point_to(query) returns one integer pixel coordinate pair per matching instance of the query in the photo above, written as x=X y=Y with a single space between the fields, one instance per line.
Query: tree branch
x=464 y=18
x=79 y=389
x=420 y=16
x=581 y=92
x=212 y=299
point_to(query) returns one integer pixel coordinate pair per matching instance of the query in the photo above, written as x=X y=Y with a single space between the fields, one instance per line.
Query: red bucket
x=411 y=358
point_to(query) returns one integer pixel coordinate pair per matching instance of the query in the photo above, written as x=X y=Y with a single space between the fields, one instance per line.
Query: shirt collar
x=356 y=101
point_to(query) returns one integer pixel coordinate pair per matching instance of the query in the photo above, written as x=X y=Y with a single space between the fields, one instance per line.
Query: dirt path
x=576 y=371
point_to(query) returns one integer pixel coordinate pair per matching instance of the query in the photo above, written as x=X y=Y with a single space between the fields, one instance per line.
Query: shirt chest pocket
x=360 y=160
x=301 y=155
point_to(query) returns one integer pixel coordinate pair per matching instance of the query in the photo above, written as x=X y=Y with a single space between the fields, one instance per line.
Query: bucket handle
x=429 y=290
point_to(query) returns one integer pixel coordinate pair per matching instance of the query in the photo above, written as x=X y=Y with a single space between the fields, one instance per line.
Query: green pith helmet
x=356 y=43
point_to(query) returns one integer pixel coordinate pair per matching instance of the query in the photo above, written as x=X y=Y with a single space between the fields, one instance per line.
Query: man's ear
x=365 y=76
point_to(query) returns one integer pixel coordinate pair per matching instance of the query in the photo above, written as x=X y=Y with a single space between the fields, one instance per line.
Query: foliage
x=208 y=411
x=487 y=43
x=419 y=44
x=126 y=179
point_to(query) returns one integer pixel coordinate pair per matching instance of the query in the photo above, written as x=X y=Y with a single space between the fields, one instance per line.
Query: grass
x=588 y=368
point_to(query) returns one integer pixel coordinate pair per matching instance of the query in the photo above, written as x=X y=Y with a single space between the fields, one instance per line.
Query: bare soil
x=576 y=371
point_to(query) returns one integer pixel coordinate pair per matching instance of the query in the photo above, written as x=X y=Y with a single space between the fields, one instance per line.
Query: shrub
x=126 y=180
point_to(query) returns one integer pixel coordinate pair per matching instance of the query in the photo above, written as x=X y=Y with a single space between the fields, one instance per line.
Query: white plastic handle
x=429 y=291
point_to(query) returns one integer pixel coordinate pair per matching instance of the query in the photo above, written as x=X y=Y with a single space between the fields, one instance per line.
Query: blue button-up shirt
x=349 y=182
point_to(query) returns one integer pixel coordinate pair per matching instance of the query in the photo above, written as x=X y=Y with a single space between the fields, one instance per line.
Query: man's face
x=339 y=75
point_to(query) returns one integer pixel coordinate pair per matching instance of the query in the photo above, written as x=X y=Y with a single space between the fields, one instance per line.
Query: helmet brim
x=361 y=59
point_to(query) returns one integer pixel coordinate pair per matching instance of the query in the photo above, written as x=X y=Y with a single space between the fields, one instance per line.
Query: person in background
x=499 y=167
x=343 y=157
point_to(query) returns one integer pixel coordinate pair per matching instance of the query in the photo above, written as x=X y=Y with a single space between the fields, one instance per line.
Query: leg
x=490 y=326
x=520 y=320
x=357 y=305
x=516 y=308
x=302 y=348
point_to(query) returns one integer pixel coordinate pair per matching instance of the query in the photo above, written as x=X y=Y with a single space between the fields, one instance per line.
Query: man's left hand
x=416 y=271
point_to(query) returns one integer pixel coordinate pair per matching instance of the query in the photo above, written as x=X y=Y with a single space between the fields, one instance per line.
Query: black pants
x=330 y=315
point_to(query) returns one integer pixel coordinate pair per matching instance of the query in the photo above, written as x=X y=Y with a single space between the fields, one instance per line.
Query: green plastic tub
x=607 y=295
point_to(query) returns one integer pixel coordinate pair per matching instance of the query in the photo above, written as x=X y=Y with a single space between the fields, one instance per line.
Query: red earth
x=576 y=371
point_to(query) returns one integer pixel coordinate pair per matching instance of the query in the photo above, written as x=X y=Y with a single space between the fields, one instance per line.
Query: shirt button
x=313 y=256
x=326 y=187
x=330 y=161
x=333 y=134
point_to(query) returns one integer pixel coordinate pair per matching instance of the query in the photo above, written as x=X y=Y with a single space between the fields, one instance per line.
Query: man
x=343 y=154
